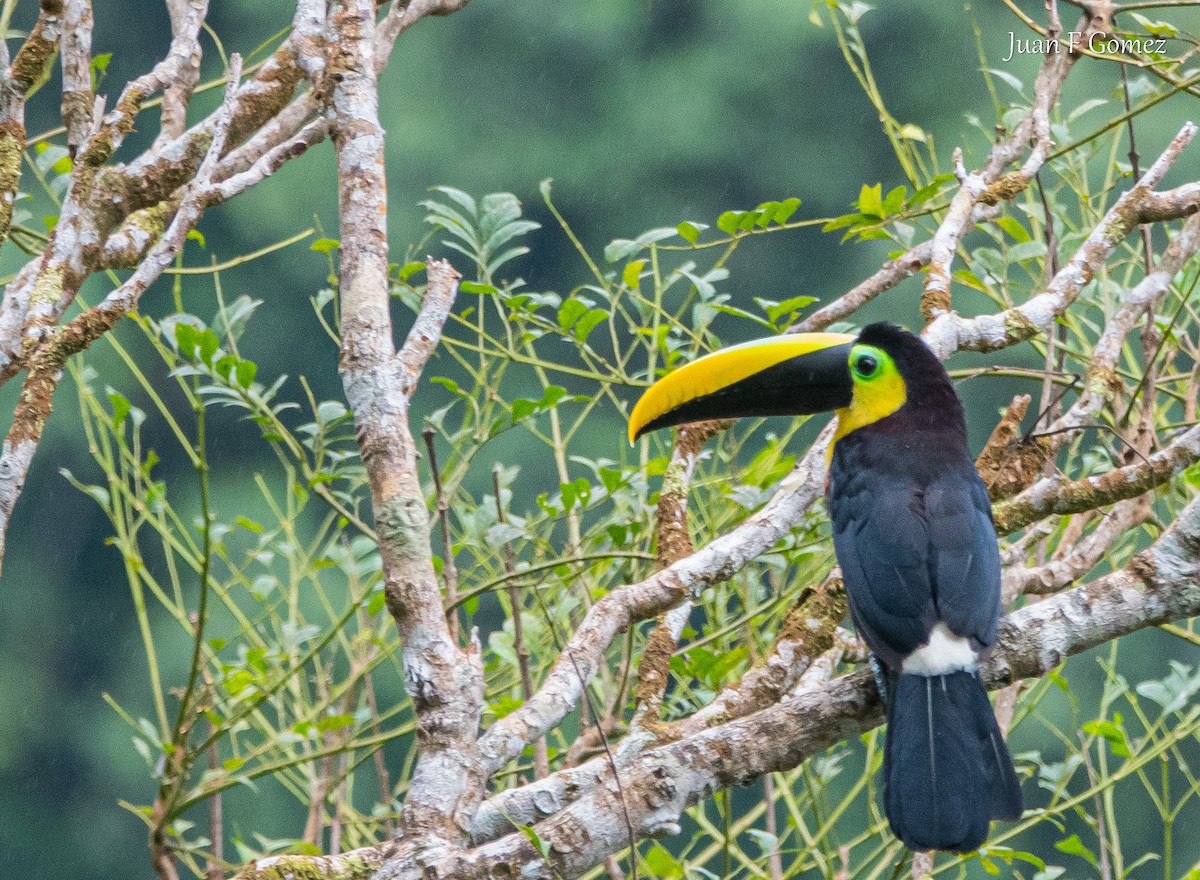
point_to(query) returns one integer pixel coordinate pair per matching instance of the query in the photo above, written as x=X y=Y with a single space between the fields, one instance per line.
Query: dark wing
x=882 y=545
x=964 y=558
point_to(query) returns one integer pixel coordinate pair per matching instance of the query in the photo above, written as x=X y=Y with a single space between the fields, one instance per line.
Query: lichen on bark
x=12 y=148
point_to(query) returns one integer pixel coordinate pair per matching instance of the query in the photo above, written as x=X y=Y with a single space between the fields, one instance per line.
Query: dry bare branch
x=186 y=19
x=77 y=101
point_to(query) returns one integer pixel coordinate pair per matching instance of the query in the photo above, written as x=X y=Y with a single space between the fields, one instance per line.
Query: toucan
x=914 y=537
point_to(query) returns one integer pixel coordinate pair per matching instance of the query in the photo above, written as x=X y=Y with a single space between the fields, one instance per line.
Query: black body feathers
x=946 y=770
x=913 y=532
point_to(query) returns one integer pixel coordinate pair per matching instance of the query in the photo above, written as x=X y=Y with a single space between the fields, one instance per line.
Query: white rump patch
x=942 y=654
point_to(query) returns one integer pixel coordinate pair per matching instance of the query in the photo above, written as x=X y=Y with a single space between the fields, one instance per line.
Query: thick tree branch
x=1060 y=496
x=444 y=682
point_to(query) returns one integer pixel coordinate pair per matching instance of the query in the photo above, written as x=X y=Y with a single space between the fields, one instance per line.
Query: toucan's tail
x=947 y=772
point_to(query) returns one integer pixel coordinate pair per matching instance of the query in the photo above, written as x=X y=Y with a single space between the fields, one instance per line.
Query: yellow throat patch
x=879 y=390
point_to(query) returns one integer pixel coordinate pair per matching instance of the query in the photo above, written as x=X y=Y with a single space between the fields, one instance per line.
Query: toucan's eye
x=866 y=366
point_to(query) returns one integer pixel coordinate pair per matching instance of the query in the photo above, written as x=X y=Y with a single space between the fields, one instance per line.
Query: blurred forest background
x=645 y=113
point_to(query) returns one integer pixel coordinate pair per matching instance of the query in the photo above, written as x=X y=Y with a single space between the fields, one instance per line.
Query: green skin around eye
x=877 y=362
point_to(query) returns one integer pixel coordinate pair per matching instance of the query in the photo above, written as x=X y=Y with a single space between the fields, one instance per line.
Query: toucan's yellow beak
x=795 y=374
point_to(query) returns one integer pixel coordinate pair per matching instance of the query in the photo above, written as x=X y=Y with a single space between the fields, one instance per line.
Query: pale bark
x=444 y=682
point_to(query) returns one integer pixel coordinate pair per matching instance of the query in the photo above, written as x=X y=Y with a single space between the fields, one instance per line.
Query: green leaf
x=409 y=269
x=505 y=705
x=841 y=222
x=246 y=370
x=1090 y=104
x=523 y=408
x=662 y=864
x=632 y=273
x=327 y=245
x=763 y=214
x=1029 y=250
x=729 y=221
x=197 y=236
x=570 y=312
x=120 y=407
x=767 y=843
x=476 y=288
x=783 y=213
x=930 y=190
x=376 y=603
x=250 y=525
x=620 y=248
x=185 y=339
x=689 y=231
x=588 y=323
x=1007 y=77
x=334 y=722
x=1073 y=846
x=789 y=307
x=1112 y=732
x=209 y=344
x=100 y=62
x=224 y=365
x=895 y=200
x=1014 y=228
x=460 y=197
x=540 y=845
x=741 y=313
x=1158 y=28
x=870 y=200
x=1008 y=855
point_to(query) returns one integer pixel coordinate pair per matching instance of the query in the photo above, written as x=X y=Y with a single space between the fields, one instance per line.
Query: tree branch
x=1160 y=584
x=665 y=589
x=950 y=332
x=445 y=683
x=1059 y=496
x=46 y=363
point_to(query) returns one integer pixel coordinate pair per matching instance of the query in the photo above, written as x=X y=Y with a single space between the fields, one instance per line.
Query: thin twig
x=449 y=571
x=541 y=760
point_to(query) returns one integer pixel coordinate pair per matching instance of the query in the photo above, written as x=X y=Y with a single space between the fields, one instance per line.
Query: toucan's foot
x=880 y=677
